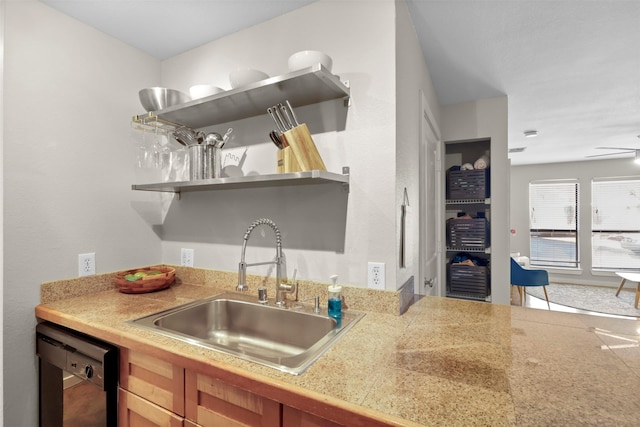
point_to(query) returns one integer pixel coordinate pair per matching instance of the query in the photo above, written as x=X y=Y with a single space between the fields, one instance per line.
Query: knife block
x=304 y=149
x=287 y=161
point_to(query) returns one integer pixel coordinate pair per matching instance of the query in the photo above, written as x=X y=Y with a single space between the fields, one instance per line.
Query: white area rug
x=591 y=298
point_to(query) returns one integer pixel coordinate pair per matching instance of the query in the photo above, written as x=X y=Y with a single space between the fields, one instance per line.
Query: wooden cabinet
x=155 y=393
x=151 y=391
x=211 y=402
x=134 y=411
x=292 y=417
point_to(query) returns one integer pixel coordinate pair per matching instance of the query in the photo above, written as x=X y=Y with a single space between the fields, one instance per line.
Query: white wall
x=69 y=93
x=487 y=118
x=324 y=231
x=585 y=171
x=1 y=198
x=413 y=79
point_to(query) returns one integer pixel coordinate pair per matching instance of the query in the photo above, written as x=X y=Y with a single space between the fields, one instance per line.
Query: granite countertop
x=443 y=362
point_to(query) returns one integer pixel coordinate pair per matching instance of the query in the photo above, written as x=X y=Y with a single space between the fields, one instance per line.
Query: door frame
x=429 y=129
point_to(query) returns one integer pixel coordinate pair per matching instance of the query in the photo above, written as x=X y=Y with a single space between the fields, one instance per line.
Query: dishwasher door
x=78 y=379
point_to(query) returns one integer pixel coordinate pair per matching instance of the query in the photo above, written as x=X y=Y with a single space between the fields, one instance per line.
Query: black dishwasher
x=64 y=356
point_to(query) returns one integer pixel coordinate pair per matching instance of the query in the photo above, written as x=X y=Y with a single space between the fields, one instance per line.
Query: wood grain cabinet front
x=134 y=411
x=211 y=402
x=155 y=380
x=292 y=417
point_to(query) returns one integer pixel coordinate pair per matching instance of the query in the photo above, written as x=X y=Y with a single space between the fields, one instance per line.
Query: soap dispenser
x=335 y=300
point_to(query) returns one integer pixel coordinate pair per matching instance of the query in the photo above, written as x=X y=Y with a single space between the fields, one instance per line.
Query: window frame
x=604 y=230
x=557 y=232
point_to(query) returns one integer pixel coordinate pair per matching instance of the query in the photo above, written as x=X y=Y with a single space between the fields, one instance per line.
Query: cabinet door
x=211 y=402
x=156 y=380
x=292 y=417
x=134 y=411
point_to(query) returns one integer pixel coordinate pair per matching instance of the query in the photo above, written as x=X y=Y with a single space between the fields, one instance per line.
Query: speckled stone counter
x=443 y=362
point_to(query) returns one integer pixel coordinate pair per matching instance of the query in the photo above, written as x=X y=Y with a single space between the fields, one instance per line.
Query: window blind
x=553 y=223
x=615 y=224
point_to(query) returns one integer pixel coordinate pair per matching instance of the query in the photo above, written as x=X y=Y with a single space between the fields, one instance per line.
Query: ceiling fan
x=621 y=151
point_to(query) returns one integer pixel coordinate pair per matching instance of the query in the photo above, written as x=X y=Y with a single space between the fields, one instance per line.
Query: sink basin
x=287 y=339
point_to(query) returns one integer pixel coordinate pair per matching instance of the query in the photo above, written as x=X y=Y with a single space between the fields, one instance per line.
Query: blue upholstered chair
x=522 y=277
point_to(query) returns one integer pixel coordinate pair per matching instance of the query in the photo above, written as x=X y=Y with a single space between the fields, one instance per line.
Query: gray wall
x=69 y=94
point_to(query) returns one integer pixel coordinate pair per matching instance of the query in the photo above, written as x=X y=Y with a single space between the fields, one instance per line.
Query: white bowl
x=307 y=58
x=201 y=91
x=245 y=76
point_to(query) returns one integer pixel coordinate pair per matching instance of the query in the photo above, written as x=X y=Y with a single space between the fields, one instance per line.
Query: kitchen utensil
x=159 y=98
x=212 y=138
x=276 y=139
x=276 y=119
x=286 y=116
x=188 y=137
x=225 y=138
x=283 y=120
x=307 y=58
x=245 y=76
x=305 y=150
x=293 y=114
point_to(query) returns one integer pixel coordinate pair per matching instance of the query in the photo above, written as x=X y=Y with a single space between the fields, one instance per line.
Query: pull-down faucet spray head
x=242 y=266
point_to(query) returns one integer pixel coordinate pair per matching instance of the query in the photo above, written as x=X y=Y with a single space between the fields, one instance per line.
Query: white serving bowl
x=244 y=76
x=201 y=91
x=307 y=58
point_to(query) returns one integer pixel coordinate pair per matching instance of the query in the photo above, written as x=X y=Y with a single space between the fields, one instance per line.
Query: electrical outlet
x=376 y=275
x=86 y=264
x=186 y=257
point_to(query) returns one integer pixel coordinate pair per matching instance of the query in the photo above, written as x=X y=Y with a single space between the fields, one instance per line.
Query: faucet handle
x=287 y=287
x=281 y=290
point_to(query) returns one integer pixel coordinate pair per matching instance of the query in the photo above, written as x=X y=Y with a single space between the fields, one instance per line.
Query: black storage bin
x=468 y=281
x=468 y=233
x=468 y=184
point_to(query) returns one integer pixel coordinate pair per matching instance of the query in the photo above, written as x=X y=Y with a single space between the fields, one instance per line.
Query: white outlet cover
x=87 y=264
x=376 y=276
x=186 y=257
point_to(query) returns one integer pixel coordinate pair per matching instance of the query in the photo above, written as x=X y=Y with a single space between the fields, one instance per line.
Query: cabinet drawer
x=156 y=380
x=211 y=402
x=134 y=411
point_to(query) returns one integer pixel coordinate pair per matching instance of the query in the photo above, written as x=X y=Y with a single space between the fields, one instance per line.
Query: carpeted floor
x=591 y=298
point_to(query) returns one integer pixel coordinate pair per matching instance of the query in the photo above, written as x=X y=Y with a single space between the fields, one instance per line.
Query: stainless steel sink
x=287 y=339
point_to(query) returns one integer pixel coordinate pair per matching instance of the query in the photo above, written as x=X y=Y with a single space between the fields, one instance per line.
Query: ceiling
x=570 y=69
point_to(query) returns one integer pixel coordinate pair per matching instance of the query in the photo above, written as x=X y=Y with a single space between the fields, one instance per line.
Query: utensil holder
x=304 y=149
x=287 y=161
x=204 y=162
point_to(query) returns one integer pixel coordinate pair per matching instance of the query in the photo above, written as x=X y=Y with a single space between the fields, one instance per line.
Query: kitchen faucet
x=281 y=288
